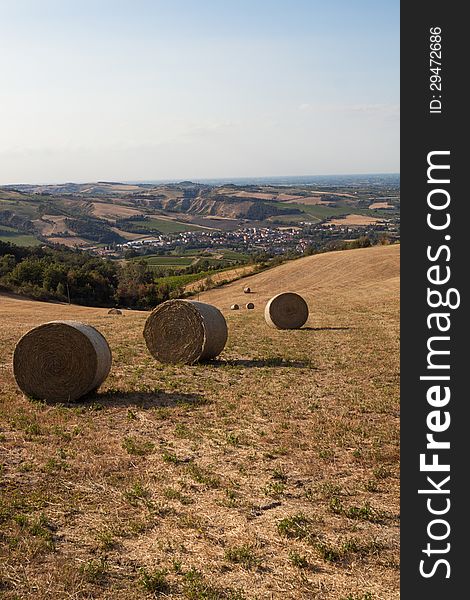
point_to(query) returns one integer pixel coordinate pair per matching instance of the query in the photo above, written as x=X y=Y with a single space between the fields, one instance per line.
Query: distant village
x=270 y=240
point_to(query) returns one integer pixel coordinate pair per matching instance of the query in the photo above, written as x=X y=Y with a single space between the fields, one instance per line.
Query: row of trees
x=61 y=274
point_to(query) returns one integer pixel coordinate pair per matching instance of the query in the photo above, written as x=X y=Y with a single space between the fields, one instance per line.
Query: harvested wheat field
x=269 y=473
x=355 y=220
x=114 y=211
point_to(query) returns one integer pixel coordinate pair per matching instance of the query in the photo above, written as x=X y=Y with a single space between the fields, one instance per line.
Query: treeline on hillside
x=62 y=274
x=94 y=230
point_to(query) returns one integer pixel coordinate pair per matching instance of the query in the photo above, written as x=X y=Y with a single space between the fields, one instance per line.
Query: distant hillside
x=360 y=276
x=107 y=212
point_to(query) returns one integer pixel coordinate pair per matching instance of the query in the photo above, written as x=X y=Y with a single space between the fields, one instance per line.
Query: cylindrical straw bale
x=185 y=331
x=234 y=307
x=114 y=311
x=247 y=290
x=286 y=311
x=61 y=361
x=250 y=306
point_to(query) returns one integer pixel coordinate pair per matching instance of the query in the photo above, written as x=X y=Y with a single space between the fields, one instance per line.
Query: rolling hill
x=272 y=472
x=105 y=212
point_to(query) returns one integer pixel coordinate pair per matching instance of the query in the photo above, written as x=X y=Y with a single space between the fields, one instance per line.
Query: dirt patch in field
x=51 y=225
x=113 y=211
x=266 y=196
x=357 y=220
x=379 y=205
x=70 y=242
x=309 y=201
x=130 y=236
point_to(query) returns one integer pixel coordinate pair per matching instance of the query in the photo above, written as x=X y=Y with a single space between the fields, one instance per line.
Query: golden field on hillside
x=270 y=473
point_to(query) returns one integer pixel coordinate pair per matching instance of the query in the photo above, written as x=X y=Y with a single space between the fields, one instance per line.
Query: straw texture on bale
x=247 y=290
x=185 y=331
x=114 y=311
x=250 y=306
x=234 y=307
x=61 y=361
x=286 y=311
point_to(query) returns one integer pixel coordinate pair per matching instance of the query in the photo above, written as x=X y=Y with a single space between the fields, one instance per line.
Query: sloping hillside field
x=270 y=473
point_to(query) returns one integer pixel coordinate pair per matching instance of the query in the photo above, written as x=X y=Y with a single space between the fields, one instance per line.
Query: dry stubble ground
x=270 y=473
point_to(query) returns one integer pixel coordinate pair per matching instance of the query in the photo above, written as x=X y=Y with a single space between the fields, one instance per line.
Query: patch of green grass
x=233 y=439
x=138 y=447
x=330 y=490
x=336 y=506
x=27 y=423
x=279 y=474
x=297 y=527
x=154 y=582
x=274 y=489
x=94 y=570
x=371 y=486
x=169 y=457
x=137 y=492
x=328 y=552
x=106 y=540
x=382 y=472
x=232 y=498
x=298 y=560
x=182 y=431
x=203 y=476
x=38 y=527
x=337 y=552
x=363 y=513
x=172 y=494
x=243 y=555
x=131 y=415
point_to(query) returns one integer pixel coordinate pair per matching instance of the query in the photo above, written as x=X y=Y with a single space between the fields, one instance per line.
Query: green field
x=229 y=255
x=187 y=257
x=161 y=226
x=232 y=255
x=174 y=262
x=20 y=208
x=177 y=281
x=319 y=212
x=8 y=234
x=169 y=260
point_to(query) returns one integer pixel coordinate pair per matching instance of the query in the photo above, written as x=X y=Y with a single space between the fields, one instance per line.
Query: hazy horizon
x=247 y=179
x=121 y=90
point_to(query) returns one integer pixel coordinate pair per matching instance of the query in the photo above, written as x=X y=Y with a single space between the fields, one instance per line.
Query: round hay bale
x=247 y=290
x=114 y=311
x=286 y=311
x=185 y=331
x=250 y=306
x=61 y=361
x=234 y=307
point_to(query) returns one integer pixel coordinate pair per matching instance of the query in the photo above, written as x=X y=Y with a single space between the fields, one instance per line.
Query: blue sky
x=140 y=89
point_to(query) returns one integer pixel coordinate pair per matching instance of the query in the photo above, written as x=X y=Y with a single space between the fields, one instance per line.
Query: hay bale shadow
x=324 y=328
x=160 y=399
x=272 y=362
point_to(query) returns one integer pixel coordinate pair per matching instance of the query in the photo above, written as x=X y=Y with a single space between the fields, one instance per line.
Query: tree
x=27 y=271
x=7 y=264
